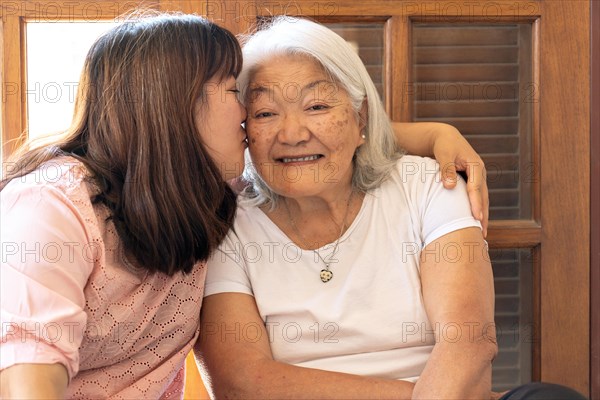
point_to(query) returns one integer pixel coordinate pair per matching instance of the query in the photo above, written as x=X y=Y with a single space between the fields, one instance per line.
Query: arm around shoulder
x=452 y=151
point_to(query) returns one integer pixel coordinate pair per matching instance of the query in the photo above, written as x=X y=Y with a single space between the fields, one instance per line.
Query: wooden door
x=512 y=75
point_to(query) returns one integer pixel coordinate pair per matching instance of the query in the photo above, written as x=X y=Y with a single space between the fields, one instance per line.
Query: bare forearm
x=34 y=381
x=418 y=137
x=268 y=379
x=242 y=369
x=457 y=371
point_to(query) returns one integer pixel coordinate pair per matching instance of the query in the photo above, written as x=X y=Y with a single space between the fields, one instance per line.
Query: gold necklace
x=326 y=275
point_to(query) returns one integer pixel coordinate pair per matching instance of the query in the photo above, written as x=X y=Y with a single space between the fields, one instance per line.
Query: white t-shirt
x=370 y=318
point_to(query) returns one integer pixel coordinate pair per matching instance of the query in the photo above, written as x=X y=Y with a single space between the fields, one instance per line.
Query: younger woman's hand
x=454 y=153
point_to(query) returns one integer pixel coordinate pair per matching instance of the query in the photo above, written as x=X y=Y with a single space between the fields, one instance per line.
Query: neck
x=313 y=222
x=335 y=205
x=330 y=200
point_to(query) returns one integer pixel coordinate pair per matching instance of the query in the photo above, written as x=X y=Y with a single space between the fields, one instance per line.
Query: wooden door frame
x=595 y=201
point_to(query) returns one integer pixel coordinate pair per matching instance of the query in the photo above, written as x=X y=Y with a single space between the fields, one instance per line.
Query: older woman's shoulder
x=409 y=158
x=410 y=168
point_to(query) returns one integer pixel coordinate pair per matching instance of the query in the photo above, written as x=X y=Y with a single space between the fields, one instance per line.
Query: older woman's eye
x=318 y=107
x=265 y=114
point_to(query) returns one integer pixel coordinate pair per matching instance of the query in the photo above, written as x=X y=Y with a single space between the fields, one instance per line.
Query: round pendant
x=326 y=275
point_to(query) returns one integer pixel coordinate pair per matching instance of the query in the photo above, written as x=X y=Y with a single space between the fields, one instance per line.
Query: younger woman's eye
x=234 y=90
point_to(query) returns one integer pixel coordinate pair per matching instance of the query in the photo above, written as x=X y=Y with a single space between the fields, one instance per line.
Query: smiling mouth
x=287 y=160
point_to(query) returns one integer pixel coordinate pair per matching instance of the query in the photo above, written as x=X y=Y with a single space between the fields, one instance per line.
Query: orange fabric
x=194 y=388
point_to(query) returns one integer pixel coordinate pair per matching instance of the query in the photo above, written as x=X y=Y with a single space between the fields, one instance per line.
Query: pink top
x=69 y=296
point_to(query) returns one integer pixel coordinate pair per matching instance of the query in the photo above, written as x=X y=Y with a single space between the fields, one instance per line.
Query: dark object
x=542 y=391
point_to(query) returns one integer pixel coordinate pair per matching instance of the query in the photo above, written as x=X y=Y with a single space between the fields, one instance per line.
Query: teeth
x=309 y=158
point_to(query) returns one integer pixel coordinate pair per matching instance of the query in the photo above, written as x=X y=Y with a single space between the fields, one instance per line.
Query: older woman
x=350 y=272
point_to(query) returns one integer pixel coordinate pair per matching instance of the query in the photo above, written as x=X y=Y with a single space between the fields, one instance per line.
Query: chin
x=297 y=189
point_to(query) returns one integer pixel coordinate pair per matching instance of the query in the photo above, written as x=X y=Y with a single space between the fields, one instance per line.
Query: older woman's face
x=302 y=129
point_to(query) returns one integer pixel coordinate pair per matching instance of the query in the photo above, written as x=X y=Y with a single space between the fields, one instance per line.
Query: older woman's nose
x=293 y=131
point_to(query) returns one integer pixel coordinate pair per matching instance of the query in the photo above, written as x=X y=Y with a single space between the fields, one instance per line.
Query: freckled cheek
x=260 y=132
x=338 y=133
x=259 y=137
x=258 y=144
x=254 y=133
x=337 y=129
x=342 y=127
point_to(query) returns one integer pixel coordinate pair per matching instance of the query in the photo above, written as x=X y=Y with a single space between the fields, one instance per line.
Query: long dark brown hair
x=134 y=128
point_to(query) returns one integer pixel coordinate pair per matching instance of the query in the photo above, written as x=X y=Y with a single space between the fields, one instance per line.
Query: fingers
x=478 y=193
x=480 y=173
x=476 y=187
x=448 y=174
x=476 y=200
x=486 y=208
x=453 y=153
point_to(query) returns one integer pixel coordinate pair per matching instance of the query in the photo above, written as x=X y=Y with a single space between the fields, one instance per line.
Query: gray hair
x=376 y=158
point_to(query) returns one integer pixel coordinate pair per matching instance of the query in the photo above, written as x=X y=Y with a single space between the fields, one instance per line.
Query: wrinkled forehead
x=292 y=91
x=290 y=77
